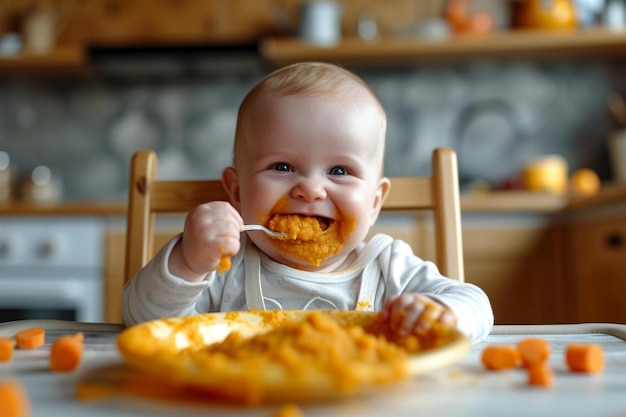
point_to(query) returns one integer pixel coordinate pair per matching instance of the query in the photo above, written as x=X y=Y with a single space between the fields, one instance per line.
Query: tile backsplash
x=496 y=115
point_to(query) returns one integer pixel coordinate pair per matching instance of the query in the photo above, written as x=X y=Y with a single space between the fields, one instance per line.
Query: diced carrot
x=584 y=357
x=13 y=400
x=540 y=374
x=30 y=338
x=6 y=349
x=533 y=351
x=224 y=264
x=500 y=357
x=66 y=353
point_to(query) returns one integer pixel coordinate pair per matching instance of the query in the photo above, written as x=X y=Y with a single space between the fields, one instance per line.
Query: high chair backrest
x=149 y=197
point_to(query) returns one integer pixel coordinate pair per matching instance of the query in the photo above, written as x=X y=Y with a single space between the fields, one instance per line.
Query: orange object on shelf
x=547 y=173
x=463 y=21
x=585 y=182
x=545 y=14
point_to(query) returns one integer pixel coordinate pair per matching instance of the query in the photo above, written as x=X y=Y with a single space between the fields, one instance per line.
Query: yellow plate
x=155 y=348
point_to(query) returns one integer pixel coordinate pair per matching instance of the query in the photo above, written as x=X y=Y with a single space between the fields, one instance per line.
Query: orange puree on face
x=307 y=240
x=298 y=227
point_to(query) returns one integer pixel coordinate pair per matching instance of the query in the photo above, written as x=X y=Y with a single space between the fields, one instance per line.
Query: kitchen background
x=84 y=84
x=497 y=114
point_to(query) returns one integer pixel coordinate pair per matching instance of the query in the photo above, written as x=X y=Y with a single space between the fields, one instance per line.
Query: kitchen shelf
x=516 y=44
x=62 y=61
x=63 y=208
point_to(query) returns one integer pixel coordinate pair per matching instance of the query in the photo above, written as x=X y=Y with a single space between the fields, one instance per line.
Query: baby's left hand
x=415 y=313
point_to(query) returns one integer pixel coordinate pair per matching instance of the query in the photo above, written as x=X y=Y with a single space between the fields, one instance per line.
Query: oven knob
x=47 y=248
x=6 y=248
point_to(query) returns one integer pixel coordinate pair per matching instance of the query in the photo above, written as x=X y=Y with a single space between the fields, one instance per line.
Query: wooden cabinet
x=516 y=258
x=597 y=268
x=520 y=267
x=115 y=248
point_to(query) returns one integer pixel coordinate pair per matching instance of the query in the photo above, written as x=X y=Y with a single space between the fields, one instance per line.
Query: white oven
x=51 y=268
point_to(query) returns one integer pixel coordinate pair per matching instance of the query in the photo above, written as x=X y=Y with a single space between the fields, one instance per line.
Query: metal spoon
x=263 y=229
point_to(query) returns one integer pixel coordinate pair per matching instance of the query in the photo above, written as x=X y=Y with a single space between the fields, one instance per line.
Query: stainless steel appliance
x=51 y=267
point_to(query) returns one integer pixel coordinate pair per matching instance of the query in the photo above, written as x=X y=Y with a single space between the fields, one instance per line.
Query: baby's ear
x=230 y=181
x=384 y=185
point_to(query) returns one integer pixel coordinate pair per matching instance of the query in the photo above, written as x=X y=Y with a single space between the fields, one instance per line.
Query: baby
x=308 y=161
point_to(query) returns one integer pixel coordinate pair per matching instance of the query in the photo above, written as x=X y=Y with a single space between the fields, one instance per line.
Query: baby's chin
x=331 y=264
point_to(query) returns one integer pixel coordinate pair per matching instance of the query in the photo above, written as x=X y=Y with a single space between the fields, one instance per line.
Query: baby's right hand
x=211 y=231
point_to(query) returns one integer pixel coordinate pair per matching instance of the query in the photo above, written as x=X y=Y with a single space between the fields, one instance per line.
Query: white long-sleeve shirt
x=384 y=268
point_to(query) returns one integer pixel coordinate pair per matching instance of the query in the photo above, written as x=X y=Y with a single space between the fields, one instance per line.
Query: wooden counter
x=499 y=201
x=65 y=208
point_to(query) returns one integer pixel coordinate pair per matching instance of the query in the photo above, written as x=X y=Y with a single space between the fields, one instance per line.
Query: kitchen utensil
x=249 y=227
x=617 y=154
x=163 y=349
x=320 y=22
x=617 y=110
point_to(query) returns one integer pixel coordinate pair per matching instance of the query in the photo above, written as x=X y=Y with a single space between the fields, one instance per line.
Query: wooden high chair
x=149 y=197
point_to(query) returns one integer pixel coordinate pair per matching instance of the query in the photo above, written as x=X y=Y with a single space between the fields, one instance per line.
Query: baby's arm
x=415 y=313
x=211 y=230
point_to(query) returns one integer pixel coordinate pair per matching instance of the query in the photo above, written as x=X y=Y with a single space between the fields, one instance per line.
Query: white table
x=462 y=389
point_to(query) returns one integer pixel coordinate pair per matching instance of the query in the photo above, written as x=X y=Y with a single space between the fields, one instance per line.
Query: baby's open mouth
x=300 y=227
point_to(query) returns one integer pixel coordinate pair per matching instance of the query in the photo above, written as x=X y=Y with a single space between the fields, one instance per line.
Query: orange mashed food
x=310 y=238
x=298 y=227
x=317 y=346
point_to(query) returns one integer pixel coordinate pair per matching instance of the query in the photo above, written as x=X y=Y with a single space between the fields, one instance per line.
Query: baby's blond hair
x=312 y=78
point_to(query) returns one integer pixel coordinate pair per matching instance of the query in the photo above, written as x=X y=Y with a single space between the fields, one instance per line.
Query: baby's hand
x=415 y=313
x=211 y=231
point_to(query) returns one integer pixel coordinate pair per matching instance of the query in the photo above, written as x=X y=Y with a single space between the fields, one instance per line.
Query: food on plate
x=30 y=338
x=66 y=352
x=500 y=357
x=6 y=349
x=533 y=351
x=260 y=357
x=584 y=357
x=540 y=374
x=13 y=399
x=316 y=345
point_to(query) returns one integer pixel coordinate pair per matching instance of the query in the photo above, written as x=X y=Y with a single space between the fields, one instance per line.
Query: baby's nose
x=309 y=189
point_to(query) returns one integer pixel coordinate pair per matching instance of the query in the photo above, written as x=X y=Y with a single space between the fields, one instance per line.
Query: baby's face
x=321 y=155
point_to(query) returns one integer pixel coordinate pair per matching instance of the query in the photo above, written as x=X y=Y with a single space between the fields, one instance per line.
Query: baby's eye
x=282 y=167
x=338 y=171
